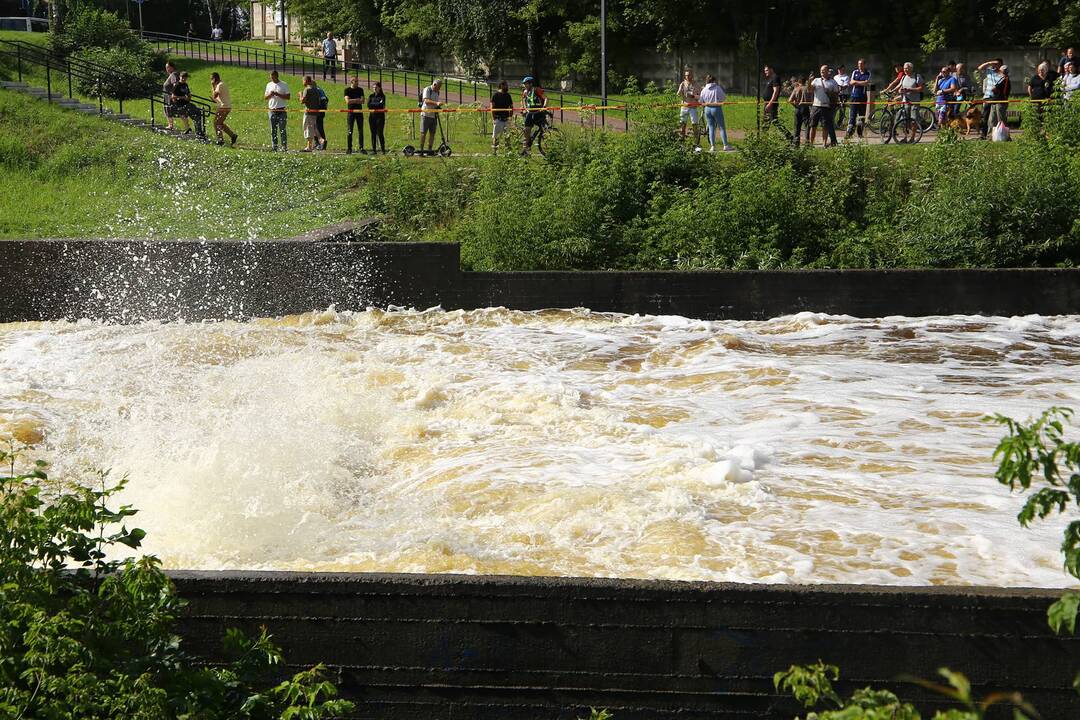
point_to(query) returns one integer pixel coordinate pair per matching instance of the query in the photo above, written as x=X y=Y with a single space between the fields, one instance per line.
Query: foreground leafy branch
x=83 y=634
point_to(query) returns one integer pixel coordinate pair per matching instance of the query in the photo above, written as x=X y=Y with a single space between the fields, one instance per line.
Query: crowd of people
x=315 y=103
x=816 y=97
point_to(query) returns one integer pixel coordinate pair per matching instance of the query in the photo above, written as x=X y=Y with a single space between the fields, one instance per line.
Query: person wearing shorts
x=220 y=94
x=688 y=92
x=502 y=106
x=429 y=113
x=167 y=91
x=312 y=109
x=826 y=93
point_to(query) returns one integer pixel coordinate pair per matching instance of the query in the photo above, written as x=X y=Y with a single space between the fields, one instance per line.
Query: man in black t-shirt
x=770 y=94
x=502 y=106
x=354 y=102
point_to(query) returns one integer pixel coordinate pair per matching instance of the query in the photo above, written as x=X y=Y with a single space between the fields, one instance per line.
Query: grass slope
x=66 y=175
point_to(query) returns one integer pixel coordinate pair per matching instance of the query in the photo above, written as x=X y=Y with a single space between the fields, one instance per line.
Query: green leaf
x=1062 y=614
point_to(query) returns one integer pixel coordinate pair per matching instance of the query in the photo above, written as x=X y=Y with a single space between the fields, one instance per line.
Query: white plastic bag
x=1001 y=132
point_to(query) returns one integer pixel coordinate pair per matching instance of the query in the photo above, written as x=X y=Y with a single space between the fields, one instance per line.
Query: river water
x=807 y=448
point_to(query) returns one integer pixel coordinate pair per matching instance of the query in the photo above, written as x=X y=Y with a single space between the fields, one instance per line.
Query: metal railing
x=402 y=81
x=65 y=71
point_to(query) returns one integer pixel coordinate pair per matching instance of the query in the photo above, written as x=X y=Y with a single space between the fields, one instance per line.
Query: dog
x=968 y=120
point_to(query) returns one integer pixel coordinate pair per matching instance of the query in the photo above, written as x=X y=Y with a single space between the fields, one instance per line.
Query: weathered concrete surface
x=446 y=646
x=127 y=281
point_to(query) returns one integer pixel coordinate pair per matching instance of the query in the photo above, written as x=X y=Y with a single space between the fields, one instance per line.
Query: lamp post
x=603 y=57
x=284 y=32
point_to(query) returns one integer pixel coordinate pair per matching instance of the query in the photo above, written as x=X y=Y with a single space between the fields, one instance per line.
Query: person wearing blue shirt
x=860 y=92
x=945 y=99
x=329 y=53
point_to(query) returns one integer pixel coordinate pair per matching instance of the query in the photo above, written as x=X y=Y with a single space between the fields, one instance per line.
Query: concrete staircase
x=59 y=100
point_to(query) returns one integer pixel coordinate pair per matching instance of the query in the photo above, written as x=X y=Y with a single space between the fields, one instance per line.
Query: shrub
x=83 y=634
x=119 y=72
x=91 y=27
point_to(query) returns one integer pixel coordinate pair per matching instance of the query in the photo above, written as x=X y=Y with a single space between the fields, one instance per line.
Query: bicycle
x=907 y=128
x=545 y=132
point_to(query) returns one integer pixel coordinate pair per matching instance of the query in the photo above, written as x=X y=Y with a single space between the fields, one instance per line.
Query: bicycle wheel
x=926 y=118
x=885 y=126
x=907 y=129
x=546 y=138
x=873 y=123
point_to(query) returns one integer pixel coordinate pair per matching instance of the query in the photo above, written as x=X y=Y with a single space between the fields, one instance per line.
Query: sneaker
x=220 y=142
x=305 y=150
x=729 y=148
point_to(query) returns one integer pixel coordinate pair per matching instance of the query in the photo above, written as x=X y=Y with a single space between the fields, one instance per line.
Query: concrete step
x=13 y=85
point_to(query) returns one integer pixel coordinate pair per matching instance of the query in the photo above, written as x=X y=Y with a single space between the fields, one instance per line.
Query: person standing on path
x=860 y=97
x=220 y=94
x=167 y=91
x=770 y=94
x=276 y=94
x=688 y=112
x=354 y=103
x=965 y=88
x=429 y=113
x=991 y=79
x=533 y=103
x=502 y=106
x=377 y=117
x=801 y=98
x=311 y=102
x=711 y=97
x=1070 y=79
x=329 y=53
x=826 y=94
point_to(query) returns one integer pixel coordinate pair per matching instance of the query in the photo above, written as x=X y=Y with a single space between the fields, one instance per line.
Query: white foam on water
x=808 y=448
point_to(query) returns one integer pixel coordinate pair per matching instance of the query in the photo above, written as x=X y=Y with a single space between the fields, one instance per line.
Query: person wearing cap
x=429 y=114
x=533 y=103
x=992 y=110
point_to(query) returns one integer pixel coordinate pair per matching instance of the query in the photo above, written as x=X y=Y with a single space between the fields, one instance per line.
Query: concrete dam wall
x=513 y=648
x=128 y=281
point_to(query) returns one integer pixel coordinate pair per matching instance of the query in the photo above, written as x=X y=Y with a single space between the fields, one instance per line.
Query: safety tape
x=590 y=108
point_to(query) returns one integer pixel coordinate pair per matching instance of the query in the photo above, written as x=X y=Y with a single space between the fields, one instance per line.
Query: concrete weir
x=516 y=648
x=456 y=647
x=128 y=281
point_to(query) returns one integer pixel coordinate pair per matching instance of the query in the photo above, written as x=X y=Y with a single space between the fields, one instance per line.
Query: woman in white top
x=1070 y=81
x=711 y=97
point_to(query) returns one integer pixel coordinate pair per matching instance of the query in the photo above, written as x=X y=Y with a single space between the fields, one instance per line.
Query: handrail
x=82 y=69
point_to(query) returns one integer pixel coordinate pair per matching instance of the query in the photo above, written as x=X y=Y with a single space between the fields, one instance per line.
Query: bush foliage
x=642 y=200
x=86 y=635
x=120 y=64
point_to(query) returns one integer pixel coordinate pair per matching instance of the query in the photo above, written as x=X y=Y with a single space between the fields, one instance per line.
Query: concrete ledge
x=441 y=646
x=127 y=281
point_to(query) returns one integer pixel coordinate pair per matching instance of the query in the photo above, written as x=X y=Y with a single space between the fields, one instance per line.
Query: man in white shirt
x=843 y=81
x=217 y=34
x=329 y=53
x=826 y=93
x=429 y=115
x=688 y=96
x=276 y=95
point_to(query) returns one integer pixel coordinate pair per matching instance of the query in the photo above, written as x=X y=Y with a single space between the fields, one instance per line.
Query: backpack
x=324 y=102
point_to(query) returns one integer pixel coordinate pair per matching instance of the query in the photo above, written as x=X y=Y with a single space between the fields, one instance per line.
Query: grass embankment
x=601 y=200
x=67 y=175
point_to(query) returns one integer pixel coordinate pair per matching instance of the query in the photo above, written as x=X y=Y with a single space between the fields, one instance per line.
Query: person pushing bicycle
x=533 y=104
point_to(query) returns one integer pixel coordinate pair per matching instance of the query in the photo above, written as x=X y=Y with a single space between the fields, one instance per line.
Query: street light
x=603 y=56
